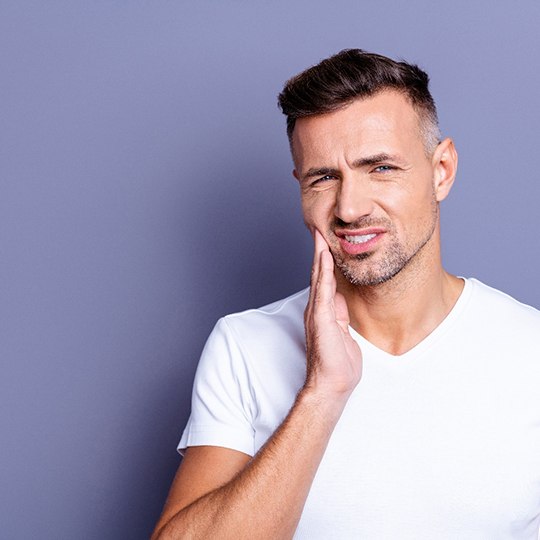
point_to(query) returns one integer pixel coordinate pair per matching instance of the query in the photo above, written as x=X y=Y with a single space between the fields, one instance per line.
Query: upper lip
x=359 y=232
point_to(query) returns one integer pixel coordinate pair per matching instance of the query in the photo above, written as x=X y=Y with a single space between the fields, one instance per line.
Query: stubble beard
x=361 y=271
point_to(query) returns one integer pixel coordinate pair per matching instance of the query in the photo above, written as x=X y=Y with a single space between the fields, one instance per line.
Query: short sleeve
x=222 y=405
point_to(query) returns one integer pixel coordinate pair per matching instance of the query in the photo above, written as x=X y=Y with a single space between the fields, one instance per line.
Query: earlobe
x=445 y=160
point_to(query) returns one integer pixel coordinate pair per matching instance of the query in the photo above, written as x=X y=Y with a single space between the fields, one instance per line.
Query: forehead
x=384 y=123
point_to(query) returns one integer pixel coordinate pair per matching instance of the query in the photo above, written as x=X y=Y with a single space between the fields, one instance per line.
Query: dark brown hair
x=351 y=74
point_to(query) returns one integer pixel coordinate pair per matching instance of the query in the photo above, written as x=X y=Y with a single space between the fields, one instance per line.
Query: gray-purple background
x=146 y=191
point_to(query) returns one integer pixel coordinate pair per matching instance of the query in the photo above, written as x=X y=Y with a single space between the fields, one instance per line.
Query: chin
x=364 y=271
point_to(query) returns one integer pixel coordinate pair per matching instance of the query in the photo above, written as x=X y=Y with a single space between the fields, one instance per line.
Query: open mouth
x=355 y=244
x=359 y=239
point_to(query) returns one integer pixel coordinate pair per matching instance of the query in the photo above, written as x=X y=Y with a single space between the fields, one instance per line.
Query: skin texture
x=395 y=294
x=394 y=193
x=364 y=167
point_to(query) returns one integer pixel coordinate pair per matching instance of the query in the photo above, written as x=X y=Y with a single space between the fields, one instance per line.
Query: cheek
x=417 y=200
x=415 y=213
x=316 y=209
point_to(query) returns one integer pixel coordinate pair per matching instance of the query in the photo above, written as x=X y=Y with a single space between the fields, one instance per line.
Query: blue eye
x=384 y=168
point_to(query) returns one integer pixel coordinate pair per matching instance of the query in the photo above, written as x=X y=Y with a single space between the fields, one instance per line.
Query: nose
x=353 y=200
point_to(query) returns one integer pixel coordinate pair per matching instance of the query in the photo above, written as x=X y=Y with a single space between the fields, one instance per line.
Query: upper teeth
x=359 y=239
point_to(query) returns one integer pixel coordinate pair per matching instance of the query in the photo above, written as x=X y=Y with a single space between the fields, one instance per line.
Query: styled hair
x=355 y=74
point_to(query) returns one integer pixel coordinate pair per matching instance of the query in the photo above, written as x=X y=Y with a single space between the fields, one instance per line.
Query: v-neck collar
x=428 y=341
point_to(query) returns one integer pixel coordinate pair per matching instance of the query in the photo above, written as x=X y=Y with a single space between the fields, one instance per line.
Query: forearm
x=265 y=500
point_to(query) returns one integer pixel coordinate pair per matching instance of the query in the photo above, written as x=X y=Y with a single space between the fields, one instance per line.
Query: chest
x=438 y=458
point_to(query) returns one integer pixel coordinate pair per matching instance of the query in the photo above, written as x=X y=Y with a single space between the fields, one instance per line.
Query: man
x=405 y=403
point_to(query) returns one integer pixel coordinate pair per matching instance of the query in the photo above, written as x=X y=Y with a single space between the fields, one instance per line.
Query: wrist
x=333 y=388
x=329 y=404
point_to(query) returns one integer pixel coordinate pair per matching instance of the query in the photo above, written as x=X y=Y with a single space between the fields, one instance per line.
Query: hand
x=334 y=359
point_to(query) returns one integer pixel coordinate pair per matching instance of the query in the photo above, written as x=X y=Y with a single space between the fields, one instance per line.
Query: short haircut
x=355 y=74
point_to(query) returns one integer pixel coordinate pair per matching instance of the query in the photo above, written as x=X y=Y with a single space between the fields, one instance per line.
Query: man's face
x=368 y=186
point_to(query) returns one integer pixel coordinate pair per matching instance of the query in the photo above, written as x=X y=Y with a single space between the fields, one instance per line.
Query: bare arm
x=278 y=478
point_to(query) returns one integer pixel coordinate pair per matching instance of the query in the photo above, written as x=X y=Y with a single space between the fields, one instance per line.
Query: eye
x=325 y=178
x=384 y=168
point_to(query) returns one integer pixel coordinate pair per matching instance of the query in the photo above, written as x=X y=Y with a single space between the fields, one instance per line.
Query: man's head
x=369 y=162
x=355 y=74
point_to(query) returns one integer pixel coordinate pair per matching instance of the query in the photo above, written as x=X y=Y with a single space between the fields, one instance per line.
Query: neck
x=397 y=315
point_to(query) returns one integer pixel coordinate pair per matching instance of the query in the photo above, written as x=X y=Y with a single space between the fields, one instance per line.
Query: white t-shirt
x=442 y=442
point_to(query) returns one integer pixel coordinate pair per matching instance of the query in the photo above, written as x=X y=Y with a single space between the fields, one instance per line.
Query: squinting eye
x=384 y=168
x=325 y=178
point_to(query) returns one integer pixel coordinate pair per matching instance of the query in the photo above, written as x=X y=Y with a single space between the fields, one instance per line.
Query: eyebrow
x=361 y=162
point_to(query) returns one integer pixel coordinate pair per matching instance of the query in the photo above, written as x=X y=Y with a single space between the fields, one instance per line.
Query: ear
x=444 y=161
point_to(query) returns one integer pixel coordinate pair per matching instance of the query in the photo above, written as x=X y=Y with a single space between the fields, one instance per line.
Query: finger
x=320 y=243
x=326 y=285
x=342 y=311
x=319 y=246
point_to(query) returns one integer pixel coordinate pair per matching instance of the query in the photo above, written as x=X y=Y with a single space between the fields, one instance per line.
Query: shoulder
x=502 y=334
x=496 y=304
x=273 y=321
x=250 y=370
x=267 y=336
x=502 y=321
x=260 y=349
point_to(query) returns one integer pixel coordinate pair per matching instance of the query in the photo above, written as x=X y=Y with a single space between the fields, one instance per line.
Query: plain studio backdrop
x=146 y=190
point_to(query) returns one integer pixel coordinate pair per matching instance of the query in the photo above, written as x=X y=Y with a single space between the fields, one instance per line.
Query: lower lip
x=355 y=249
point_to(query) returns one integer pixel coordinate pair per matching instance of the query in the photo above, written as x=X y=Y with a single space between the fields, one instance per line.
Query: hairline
x=427 y=124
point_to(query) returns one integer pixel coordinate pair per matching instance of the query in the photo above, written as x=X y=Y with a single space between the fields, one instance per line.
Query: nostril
x=352 y=212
